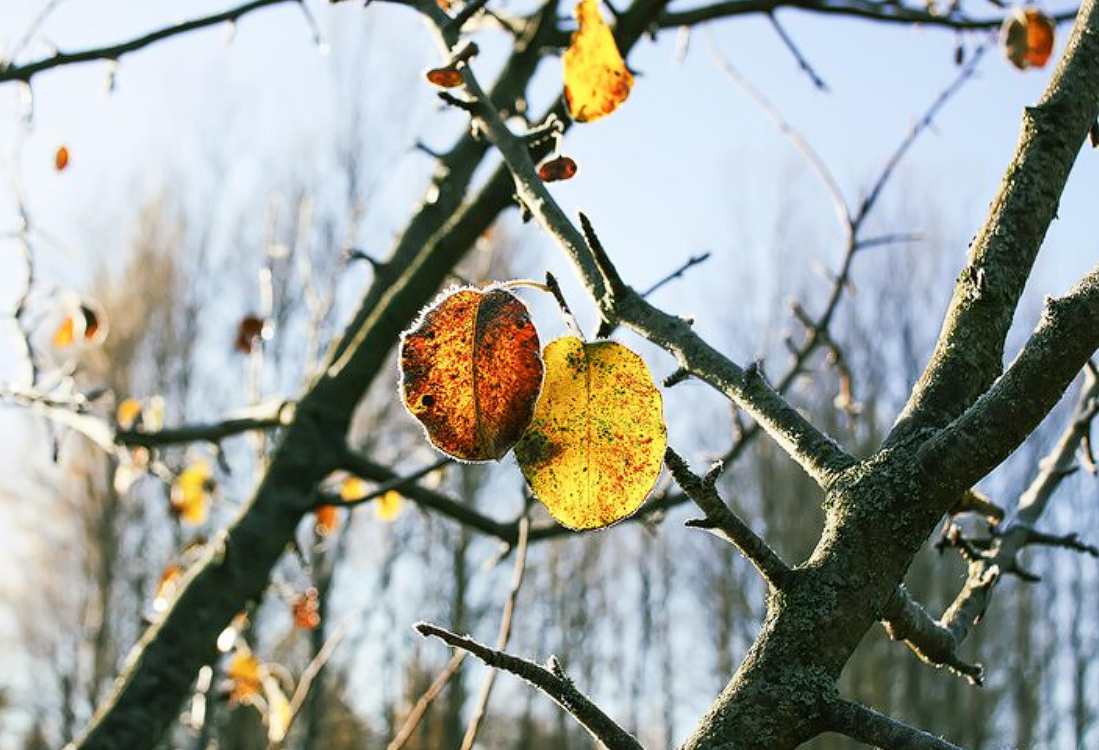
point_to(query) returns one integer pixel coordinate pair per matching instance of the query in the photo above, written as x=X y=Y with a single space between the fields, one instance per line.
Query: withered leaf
x=558 y=168
x=471 y=372
x=596 y=444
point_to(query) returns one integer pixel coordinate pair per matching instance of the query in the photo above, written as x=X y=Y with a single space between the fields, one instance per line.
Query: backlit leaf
x=388 y=506
x=353 y=488
x=558 y=168
x=189 y=493
x=596 y=444
x=596 y=78
x=61 y=158
x=471 y=372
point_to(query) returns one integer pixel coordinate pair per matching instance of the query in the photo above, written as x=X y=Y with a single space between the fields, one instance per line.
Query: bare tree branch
x=552 y=681
x=867 y=725
x=25 y=71
x=721 y=520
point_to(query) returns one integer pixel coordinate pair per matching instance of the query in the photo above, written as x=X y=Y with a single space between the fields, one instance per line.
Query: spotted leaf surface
x=471 y=372
x=596 y=444
x=596 y=78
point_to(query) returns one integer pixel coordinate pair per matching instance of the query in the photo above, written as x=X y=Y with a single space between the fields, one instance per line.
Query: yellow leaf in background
x=596 y=78
x=596 y=445
x=65 y=333
x=129 y=409
x=328 y=519
x=279 y=713
x=388 y=506
x=353 y=488
x=153 y=417
x=244 y=674
x=189 y=492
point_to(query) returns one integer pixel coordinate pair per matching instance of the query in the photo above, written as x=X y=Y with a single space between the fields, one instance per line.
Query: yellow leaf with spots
x=596 y=78
x=189 y=492
x=594 y=449
x=471 y=371
x=388 y=506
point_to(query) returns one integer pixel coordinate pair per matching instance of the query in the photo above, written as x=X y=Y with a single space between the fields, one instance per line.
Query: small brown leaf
x=445 y=78
x=249 y=334
x=61 y=158
x=559 y=168
x=471 y=372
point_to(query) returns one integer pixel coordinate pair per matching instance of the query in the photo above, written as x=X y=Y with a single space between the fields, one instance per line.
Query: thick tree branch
x=25 y=71
x=867 y=725
x=969 y=353
x=553 y=682
x=721 y=520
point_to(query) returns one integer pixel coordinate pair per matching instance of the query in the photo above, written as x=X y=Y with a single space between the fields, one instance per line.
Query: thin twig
x=504 y=635
x=803 y=63
x=552 y=681
x=866 y=725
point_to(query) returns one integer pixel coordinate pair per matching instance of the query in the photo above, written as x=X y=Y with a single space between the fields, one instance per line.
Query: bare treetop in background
x=966 y=414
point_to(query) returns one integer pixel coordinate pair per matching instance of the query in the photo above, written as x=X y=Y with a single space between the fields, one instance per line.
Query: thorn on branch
x=467 y=105
x=678 y=376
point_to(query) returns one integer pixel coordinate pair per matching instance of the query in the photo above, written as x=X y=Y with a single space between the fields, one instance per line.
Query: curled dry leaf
x=596 y=78
x=189 y=493
x=445 y=78
x=249 y=334
x=595 y=447
x=1027 y=38
x=61 y=158
x=388 y=506
x=471 y=372
x=558 y=168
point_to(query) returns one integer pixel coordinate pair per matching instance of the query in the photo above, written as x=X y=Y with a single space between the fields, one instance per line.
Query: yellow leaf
x=353 y=488
x=596 y=78
x=596 y=444
x=244 y=673
x=65 y=333
x=189 y=492
x=388 y=506
x=128 y=411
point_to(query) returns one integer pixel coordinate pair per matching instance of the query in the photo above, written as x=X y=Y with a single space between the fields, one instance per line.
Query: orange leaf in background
x=244 y=674
x=328 y=519
x=596 y=78
x=166 y=586
x=61 y=158
x=249 y=333
x=560 y=168
x=305 y=610
x=446 y=78
x=129 y=409
x=1026 y=37
x=1039 y=37
x=388 y=506
x=471 y=372
x=596 y=445
x=189 y=492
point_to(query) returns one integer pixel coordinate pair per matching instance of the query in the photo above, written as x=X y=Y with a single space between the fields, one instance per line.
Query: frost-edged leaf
x=471 y=372
x=596 y=78
x=595 y=447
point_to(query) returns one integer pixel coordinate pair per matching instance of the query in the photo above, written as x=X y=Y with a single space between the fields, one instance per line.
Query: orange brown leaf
x=306 y=610
x=596 y=78
x=559 y=168
x=129 y=409
x=244 y=672
x=595 y=447
x=61 y=158
x=249 y=333
x=1039 y=38
x=327 y=519
x=445 y=78
x=471 y=372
